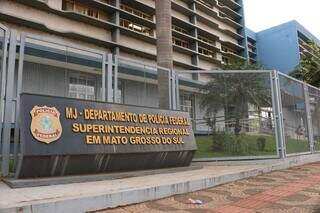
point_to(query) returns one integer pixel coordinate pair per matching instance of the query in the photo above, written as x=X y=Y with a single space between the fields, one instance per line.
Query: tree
x=240 y=64
x=233 y=92
x=309 y=68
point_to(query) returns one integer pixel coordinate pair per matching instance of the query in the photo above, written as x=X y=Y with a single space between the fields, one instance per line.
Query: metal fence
x=235 y=114
x=254 y=114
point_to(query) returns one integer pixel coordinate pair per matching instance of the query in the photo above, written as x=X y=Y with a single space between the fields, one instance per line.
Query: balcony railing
x=136 y=27
x=206 y=40
x=80 y=8
x=180 y=42
x=136 y=12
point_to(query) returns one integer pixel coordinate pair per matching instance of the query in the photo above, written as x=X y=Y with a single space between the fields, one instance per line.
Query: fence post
x=19 y=89
x=309 y=118
x=173 y=90
x=115 y=79
x=278 y=116
x=103 y=76
x=177 y=91
x=8 y=104
x=109 y=78
x=3 y=69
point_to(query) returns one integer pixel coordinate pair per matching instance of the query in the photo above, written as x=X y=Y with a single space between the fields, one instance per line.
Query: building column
x=164 y=50
x=194 y=58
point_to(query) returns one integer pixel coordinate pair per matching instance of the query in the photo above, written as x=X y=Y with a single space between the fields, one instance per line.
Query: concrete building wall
x=216 y=32
x=52 y=21
x=181 y=16
x=207 y=65
x=56 y=4
x=137 y=44
x=141 y=94
x=182 y=57
x=49 y=17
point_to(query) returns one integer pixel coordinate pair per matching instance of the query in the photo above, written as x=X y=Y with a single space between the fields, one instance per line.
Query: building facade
x=282 y=46
x=205 y=35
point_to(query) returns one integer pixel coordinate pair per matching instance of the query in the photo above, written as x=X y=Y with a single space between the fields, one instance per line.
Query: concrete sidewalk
x=90 y=196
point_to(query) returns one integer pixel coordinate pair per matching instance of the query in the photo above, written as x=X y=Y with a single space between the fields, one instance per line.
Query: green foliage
x=220 y=140
x=261 y=143
x=296 y=145
x=236 y=145
x=239 y=64
x=11 y=165
x=232 y=92
x=248 y=146
x=309 y=68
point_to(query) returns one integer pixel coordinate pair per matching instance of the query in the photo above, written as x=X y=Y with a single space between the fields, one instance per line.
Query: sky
x=262 y=14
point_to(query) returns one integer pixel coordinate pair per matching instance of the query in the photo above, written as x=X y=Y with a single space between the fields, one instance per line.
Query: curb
x=126 y=197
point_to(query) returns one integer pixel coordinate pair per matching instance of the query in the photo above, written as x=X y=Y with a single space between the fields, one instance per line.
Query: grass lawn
x=317 y=145
x=250 y=141
x=296 y=146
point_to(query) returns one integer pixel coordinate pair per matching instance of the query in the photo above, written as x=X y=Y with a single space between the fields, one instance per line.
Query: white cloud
x=262 y=14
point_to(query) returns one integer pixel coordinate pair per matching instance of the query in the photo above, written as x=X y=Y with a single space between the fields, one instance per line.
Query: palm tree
x=233 y=92
x=309 y=68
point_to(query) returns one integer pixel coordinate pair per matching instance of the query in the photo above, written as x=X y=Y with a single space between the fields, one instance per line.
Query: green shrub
x=217 y=141
x=220 y=141
x=261 y=143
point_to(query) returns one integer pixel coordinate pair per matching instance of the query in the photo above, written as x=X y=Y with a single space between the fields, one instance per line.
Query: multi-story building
x=282 y=46
x=205 y=34
x=252 y=46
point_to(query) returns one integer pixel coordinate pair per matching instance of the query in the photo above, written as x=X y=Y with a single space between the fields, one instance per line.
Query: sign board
x=64 y=136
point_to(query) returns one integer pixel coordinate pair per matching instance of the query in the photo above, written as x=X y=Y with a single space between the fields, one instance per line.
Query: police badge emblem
x=45 y=125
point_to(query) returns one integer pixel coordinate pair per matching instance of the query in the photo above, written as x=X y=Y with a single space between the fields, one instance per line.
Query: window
x=68 y=5
x=204 y=2
x=179 y=29
x=107 y=1
x=82 y=87
x=225 y=60
x=72 y=5
x=136 y=27
x=223 y=15
x=228 y=50
x=205 y=51
x=120 y=96
x=180 y=42
x=136 y=12
x=187 y=104
x=201 y=38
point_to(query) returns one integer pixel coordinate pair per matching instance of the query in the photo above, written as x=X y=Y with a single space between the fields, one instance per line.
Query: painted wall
x=278 y=48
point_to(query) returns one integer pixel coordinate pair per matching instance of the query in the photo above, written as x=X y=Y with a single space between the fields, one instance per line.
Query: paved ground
x=295 y=190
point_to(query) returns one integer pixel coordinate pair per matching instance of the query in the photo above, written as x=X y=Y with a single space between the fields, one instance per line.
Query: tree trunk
x=237 y=127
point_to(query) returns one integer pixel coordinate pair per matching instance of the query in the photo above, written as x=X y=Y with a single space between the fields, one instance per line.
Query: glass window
x=225 y=60
x=136 y=12
x=206 y=40
x=71 y=5
x=179 y=29
x=187 y=104
x=82 y=87
x=205 y=51
x=120 y=97
x=180 y=42
x=136 y=27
